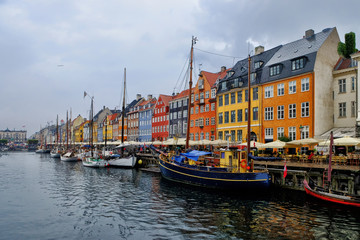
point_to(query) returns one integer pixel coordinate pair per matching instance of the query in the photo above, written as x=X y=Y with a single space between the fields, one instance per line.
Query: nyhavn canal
x=44 y=198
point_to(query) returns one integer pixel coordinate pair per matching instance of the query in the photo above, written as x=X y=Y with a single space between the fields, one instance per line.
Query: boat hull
x=214 y=177
x=68 y=159
x=330 y=197
x=126 y=162
x=95 y=163
x=55 y=155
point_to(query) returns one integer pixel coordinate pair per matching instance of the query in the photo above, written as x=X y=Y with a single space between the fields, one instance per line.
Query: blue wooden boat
x=231 y=173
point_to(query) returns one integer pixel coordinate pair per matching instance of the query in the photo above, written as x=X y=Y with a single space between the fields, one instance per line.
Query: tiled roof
x=165 y=98
x=183 y=94
x=212 y=77
x=344 y=63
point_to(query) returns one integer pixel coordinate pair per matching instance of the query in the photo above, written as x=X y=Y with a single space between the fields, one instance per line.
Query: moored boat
x=69 y=157
x=95 y=162
x=325 y=192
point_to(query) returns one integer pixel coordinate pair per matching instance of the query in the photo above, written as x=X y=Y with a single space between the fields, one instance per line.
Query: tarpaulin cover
x=194 y=155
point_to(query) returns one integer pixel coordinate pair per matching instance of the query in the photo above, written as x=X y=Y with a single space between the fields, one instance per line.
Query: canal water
x=44 y=198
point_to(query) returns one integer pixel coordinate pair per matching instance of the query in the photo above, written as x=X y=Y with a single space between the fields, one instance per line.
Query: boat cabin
x=235 y=160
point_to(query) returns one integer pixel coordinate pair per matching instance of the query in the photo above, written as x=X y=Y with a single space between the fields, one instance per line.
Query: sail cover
x=194 y=155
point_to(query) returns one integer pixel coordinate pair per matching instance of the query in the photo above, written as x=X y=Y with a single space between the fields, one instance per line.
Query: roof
x=305 y=47
x=344 y=63
x=183 y=94
x=240 y=70
x=213 y=77
x=165 y=99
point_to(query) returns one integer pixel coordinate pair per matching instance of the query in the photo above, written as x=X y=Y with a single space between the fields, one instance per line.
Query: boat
x=128 y=160
x=93 y=160
x=325 y=192
x=232 y=169
x=69 y=157
x=42 y=148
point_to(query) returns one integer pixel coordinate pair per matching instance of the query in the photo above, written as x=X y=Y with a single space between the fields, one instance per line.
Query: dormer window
x=275 y=70
x=252 y=77
x=297 y=64
x=258 y=64
x=229 y=74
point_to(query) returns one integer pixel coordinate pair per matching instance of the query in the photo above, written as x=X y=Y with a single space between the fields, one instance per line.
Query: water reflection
x=45 y=198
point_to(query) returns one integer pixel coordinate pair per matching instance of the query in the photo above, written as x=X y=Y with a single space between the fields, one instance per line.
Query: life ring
x=243 y=163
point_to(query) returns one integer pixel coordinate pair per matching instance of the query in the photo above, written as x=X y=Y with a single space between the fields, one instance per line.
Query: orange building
x=288 y=108
x=203 y=106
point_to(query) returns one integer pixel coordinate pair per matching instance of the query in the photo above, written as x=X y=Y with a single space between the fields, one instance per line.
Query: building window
x=239 y=96
x=226 y=117
x=297 y=64
x=353 y=83
x=305 y=106
x=255 y=93
x=246 y=114
x=220 y=135
x=239 y=135
x=232 y=98
x=233 y=116
x=207 y=121
x=220 y=118
x=269 y=113
x=246 y=95
x=213 y=93
x=226 y=99
x=292 y=133
x=305 y=84
x=258 y=64
x=201 y=109
x=207 y=136
x=274 y=70
x=269 y=133
x=232 y=135
x=342 y=85
x=280 y=89
x=292 y=110
x=280 y=132
x=280 y=112
x=304 y=133
x=269 y=92
x=353 y=107
x=220 y=102
x=206 y=107
x=255 y=113
x=292 y=87
x=239 y=115
x=213 y=121
x=342 y=109
x=212 y=106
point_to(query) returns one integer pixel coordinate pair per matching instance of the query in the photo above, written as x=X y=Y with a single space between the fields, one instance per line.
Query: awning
x=339 y=132
x=194 y=155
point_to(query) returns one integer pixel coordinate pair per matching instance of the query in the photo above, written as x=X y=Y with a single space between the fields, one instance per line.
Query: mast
x=67 y=130
x=91 y=127
x=123 y=109
x=193 y=41
x=330 y=156
x=57 y=130
x=248 y=112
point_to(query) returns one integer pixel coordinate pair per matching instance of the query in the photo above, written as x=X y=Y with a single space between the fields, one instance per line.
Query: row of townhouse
x=300 y=89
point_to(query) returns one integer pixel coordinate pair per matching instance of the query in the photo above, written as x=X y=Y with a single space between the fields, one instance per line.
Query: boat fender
x=243 y=163
x=140 y=162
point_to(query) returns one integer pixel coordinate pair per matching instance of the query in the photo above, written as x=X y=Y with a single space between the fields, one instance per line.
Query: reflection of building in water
x=13 y=135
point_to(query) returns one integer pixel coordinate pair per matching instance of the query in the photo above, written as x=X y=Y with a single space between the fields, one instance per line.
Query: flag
x=285 y=170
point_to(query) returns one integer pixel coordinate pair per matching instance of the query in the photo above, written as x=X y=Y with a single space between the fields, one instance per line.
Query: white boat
x=69 y=157
x=43 y=150
x=128 y=162
x=95 y=162
x=55 y=154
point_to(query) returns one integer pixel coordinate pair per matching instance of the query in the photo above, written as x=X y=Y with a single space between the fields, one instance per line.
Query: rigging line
x=180 y=74
x=221 y=55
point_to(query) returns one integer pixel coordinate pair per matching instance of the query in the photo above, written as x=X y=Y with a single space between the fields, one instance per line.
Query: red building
x=160 y=118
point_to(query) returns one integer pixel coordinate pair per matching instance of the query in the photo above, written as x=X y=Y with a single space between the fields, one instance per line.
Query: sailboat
x=124 y=160
x=69 y=156
x=235 y=171
x=42 y=148
x=55 y=153
x=93 y=160
x=326 y=193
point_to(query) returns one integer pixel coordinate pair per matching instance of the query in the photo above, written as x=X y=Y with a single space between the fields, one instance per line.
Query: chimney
x=259 y=49
x=149 y=96
x=309 y=33
x=223 y=69
x=138 y=96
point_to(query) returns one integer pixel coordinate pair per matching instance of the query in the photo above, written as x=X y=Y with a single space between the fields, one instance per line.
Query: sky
x=51 y=51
